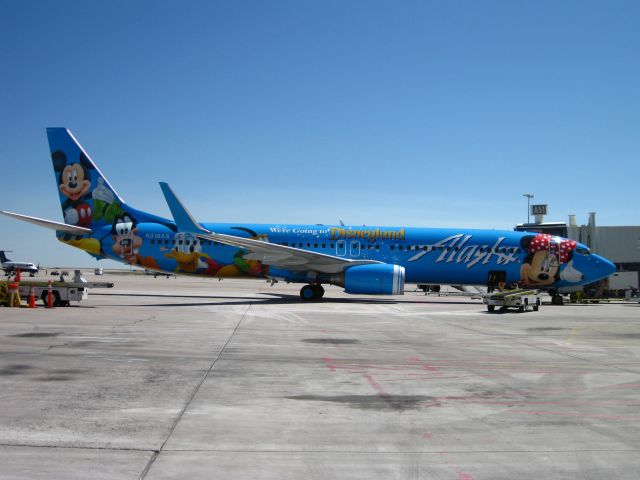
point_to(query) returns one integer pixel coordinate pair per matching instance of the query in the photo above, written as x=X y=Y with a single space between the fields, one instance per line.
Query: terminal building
x=620 y=244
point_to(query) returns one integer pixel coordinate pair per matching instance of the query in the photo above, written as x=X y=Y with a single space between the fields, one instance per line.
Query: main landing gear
x=311 y=292
x=556 y=298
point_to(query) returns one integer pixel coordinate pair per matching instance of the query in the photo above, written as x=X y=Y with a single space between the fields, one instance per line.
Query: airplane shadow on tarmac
x=270 y=299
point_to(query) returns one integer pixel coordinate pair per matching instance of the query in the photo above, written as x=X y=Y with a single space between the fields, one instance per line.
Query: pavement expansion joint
x=576 y=357
x=397 y=452
x=78 y=447
x=147 y=467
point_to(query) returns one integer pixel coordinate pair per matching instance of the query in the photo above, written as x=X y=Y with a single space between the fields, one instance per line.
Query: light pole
x=529 y=197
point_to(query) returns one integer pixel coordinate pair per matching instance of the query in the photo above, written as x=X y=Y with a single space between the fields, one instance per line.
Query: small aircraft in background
x=10 y=266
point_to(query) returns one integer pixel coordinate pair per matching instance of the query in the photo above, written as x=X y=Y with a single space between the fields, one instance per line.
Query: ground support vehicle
x=519 y=299
x=63 y=293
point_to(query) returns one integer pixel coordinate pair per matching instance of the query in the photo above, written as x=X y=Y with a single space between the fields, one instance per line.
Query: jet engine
x=374 y=279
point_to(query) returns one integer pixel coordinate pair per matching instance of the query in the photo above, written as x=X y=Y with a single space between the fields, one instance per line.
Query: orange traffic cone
x=50 y=296
x=17 y=275
x=32 y=298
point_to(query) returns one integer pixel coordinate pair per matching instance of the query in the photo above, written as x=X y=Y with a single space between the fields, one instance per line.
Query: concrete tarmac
x=164 y=378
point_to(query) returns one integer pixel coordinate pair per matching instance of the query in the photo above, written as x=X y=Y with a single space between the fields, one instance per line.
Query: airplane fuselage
x=25 y=267
x=429 y=255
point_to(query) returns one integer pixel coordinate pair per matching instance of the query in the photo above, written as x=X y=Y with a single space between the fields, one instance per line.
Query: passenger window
x=400 y=247
x=392 y=247
x=378 y=247
x=315 y=245
x=331 y=245
x=324 y=245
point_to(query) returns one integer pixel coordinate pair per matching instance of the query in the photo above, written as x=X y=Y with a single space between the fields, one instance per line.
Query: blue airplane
x=362 y=259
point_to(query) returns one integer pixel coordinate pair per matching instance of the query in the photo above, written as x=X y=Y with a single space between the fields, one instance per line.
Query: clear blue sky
x=421 y=113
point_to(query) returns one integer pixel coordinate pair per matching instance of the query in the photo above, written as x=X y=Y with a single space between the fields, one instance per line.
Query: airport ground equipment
x=63 y=292
x=10 y=295
x=519 y=299
x=582 y=297
x=429 y=288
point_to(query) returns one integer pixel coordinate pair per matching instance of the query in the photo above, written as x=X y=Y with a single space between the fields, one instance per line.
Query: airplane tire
x=57 y=302
x=318 y=291
x=307 y=292
x=557 y=300
x=491 y=308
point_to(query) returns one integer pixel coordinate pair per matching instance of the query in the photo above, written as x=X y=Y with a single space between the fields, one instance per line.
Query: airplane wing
x=273 y=254
x=290 y=258
x=58 y=226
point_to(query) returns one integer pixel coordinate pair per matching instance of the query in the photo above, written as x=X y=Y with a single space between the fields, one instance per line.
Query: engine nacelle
x=375 y=279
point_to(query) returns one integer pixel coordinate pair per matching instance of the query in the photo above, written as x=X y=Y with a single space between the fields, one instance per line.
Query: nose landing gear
x=311 y=292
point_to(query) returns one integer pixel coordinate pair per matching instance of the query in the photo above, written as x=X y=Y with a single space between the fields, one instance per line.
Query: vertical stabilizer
x=86 y=197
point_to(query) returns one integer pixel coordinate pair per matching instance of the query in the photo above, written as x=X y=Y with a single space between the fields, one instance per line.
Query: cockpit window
x=583 y=251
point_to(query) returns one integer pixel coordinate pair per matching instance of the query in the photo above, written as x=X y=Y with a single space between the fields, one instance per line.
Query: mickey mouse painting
x=548 y=260
x=74 y=182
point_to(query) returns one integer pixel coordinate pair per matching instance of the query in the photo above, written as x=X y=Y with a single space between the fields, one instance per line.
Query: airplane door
x=127 y=243
x=341 y=248
x=495 y=278
x=123 y=238
x=355 y=248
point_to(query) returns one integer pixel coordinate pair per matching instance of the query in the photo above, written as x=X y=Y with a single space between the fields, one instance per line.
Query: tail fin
x=3 y=257
x=86 y=197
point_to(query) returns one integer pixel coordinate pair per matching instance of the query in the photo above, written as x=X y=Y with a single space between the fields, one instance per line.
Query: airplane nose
x=604 y=266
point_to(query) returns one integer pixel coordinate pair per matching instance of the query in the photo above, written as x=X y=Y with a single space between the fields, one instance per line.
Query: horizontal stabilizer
x=58 y=226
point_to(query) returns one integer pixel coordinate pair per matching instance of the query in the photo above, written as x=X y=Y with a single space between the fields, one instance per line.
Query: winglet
x=183 y=218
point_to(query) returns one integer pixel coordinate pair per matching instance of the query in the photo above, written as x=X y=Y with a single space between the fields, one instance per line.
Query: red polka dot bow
x=562 y=247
